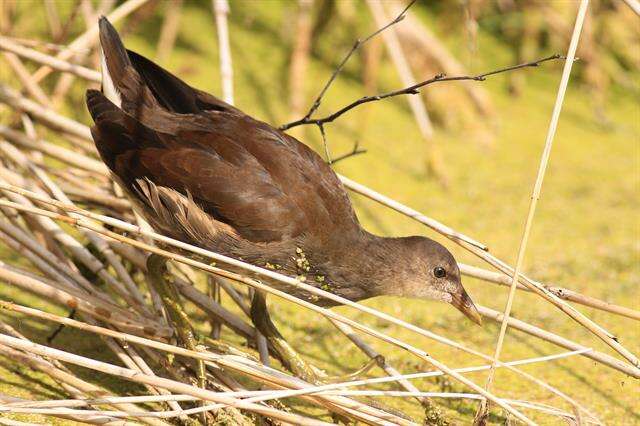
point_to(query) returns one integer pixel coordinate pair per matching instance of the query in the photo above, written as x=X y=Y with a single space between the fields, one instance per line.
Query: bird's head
x=431 y=272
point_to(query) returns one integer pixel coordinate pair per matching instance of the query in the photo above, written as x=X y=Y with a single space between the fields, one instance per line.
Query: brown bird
x=202 y=171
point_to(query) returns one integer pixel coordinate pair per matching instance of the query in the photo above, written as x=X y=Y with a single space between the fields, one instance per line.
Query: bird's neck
x=372 y=266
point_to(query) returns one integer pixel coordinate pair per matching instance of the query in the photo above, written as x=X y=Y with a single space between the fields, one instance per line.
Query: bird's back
x=180 y=150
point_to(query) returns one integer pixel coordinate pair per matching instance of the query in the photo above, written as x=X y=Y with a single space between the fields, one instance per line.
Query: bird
x=202 y=171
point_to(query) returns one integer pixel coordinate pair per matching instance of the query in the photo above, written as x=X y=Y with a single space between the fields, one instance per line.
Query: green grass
x=585 y=235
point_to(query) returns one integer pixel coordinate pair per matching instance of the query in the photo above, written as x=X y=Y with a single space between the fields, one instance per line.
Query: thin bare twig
x=355 y=47
x=355 y=151
x=358 y=43
x=413 y=90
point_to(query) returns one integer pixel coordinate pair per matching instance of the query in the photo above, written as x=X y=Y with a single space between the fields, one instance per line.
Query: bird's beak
x=464 y=304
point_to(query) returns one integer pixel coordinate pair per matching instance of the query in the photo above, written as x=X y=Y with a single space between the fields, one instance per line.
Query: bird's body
x=203 y=172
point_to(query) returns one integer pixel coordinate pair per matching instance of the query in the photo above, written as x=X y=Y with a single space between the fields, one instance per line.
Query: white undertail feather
x=108 y=88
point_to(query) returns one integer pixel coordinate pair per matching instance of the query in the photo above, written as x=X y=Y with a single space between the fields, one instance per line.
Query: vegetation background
x=474 y=173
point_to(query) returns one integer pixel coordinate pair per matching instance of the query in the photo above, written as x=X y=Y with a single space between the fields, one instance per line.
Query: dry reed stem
x=232 y=360
x=546 y=409
x=221 y=11
x=80 y=252
x=419 y=353
x=563 y=293
x=33 y=89
x=24 y=243
x=75 y=386
x=95 y=417
x=65 y=82
x=141 y=378
x=9 y=45
x=535 y=195
x=63 y=298
x=40 y=44
x=373 y=354
x=130 y=228
x=45 y=115
x=221 y=358
x=299 y=57
x=169 y=30
x=267 y=380
x=243 y=368
x=600 y=357
x=89 y=37
x=99 y=243
x=348 y=331
x=53 y=19
x=633 y=5
x=54 y=151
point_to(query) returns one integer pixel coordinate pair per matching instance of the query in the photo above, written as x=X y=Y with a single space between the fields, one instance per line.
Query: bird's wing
x=291 y=164
x=223 y=179
x=264 y=183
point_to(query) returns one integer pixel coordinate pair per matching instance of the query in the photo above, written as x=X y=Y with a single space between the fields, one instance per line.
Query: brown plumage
x=204 y=172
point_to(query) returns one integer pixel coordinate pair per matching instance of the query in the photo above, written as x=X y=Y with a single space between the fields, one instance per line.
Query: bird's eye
x=439 y=272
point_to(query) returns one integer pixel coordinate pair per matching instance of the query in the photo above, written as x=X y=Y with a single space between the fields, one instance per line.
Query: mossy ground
x=585 y=235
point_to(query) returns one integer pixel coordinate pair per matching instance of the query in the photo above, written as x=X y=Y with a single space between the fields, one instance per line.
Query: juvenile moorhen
x=202 y=171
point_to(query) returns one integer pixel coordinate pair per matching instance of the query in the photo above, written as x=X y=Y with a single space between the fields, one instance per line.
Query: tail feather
x=115 y=132
x=171 y=92
x=113 y=60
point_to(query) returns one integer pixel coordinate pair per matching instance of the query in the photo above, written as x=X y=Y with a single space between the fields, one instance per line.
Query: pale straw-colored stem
x=225 y=359
x=535 y=195
x=394 y=48
x=80 y=252
x=90 y=36
x=32 y=88
x=242 y=366
x=99 y=243
x=9 y=45
x=446 y=341
x=55 y=151
x=561 y=292
x=228 y=361
x=553 y=411
x=259 y=285
x=221 y=11
x=45 y=115
x=96 y=417
x=65 y=299
x=634 y=5
x=220 y=359
x=137 y=377
x=600 y=357
x=372 y=353
x=72 y=384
